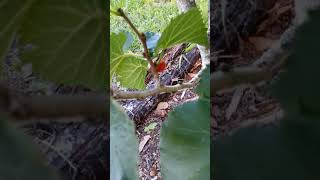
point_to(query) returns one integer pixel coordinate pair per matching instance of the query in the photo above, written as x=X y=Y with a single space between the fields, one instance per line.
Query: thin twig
x=143 y=40
x=224 y=80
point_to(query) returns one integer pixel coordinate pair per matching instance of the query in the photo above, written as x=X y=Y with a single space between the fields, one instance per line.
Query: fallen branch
x=25 y=107
x=224 y=80
x=260 y=70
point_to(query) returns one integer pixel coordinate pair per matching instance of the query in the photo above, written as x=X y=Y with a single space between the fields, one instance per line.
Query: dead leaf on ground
x=261 y=43
x=153 y=172
x=234 y=102
x=144 y=142
x=162 y=106
x=190 y=76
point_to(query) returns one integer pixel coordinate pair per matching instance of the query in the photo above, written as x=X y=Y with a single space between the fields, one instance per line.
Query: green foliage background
x=146 y=15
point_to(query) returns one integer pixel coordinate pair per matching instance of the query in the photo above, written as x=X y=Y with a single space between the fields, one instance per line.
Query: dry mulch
x=250 y=104
x=149 y=166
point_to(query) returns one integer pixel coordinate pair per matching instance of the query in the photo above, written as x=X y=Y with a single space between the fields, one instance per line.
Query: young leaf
x=150 y=127
x=185 y=28
x=129 y=41
x=69 y=39
x=152 y=41
x=123 y=145
x=129 y=69
x=185 y=140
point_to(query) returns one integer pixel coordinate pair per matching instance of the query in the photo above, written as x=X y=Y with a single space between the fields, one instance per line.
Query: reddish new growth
x=161 y=67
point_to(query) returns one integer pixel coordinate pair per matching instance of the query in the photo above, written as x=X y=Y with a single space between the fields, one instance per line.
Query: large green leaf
x=299 y=87
x=70 y=41
x=19 y=157
x=11 y=14
x=185 y=28
x=123 y=145
x=185 y=140
x=264 y=154
x=129 y=69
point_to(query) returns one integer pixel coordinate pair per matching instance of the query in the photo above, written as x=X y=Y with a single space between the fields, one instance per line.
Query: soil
x=149 y=165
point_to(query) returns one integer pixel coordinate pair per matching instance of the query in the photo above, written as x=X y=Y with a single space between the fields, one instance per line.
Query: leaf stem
x=143 y=40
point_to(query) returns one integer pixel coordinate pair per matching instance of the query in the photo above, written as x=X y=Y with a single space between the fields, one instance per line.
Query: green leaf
x=150 y=127
x=129 y=69
x=123 y=145
x=257 y=153
x=128 y=42
x=204 y=7
x=152 y=41
x=185 y=142
x=185 y=28
x=11 y=14
x=185 y=138
x=70 y=38
x=203 y=89
x=298 y=89
x=19 y=157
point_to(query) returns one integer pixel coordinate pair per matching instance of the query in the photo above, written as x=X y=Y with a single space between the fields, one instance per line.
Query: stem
x=143 y=40
x=158 y=90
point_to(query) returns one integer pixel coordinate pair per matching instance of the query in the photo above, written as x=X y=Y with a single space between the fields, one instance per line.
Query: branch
x=151 y=92
x=223 y=80
x=260 y=70
x=143 y=40
x=25 y=107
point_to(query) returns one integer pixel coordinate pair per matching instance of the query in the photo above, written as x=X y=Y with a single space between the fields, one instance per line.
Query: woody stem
x=143 y=41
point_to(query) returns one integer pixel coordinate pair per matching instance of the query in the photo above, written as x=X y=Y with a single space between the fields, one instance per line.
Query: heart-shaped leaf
x=185 y=28
x=69 y=39
x=129 y=69
x=185 y=140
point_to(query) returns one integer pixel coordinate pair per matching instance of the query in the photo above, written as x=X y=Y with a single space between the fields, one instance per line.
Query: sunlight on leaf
x=129 y=69
x=185 y=28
